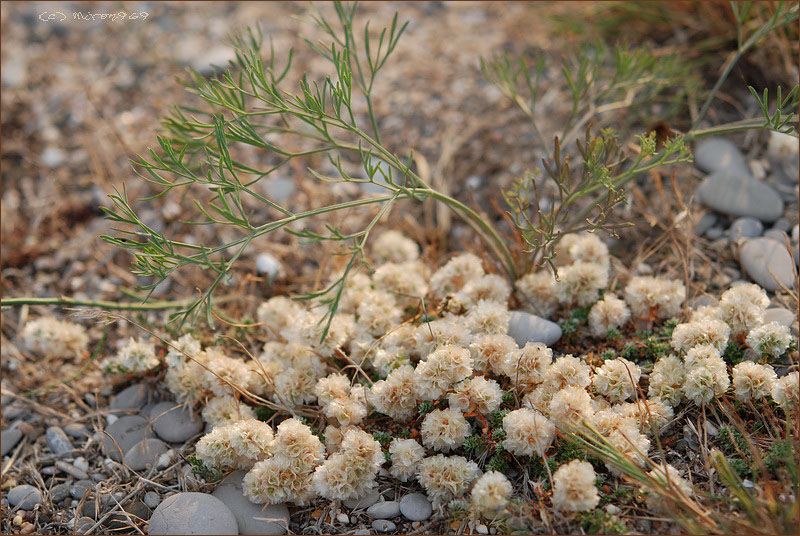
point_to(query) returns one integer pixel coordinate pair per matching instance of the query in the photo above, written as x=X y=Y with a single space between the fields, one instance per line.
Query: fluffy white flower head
x=608 y=313
x=48 y=336
x=444 y=429
x=752 y=381
x=617 y=379
x=770 y=340
x=491 y=493
x=406 y=457
x=574 y=487
x=528 y=432
x=446 y=477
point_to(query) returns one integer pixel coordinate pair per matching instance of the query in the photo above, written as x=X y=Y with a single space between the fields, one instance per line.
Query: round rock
x=192 y=513
x=364 y=502
x=780 y=315
x=746 y=228
x=130 y=399
x=9 y=439
x=738 y=195
x=151 y=499
x=524 y=328
x=416 y=507
x=768 y=262
x=145 y=453
x=25 y=497
x=714 y=154
x=384 y=510
x=125 y=432
x=705 y=223
x=175 y=423
x=383 y=525
x=251 y=518
x=57 y=440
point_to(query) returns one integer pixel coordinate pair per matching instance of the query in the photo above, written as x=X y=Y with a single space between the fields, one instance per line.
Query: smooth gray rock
x=384 y=510
x=715 y=233
x=739 y=195
x=151 y=499
x=364 y=502
x=524 y=327
x=268 y=266
x=746 y=227
x=9 y=439
x=57 y=440
x=768 y=263
x=192 y=513
x=705 y=223
x=132 y=398
x=25 y=497
x=71 y=470
x=778 y=236
x=59 y=492
x=77 y=431
x=145 y=453
x=383 y=525
x=175 y=423
x=252 y=518
x=714 y=154
x=133 y=510
x=782 y=224
x=279 y=189
x=83 y=524
x=416 y=507
x=780 y=315
x=126 y=432
x=78 y=489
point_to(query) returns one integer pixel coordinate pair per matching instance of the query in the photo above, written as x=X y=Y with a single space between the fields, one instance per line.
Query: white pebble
x=612 y=509
x=482 y=529
x=81 y=463
x=343 y=518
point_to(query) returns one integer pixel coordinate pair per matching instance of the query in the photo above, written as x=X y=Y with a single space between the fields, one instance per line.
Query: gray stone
x=78 y=489
x=9 y=439
x=705 y=223
x=715 y=154
x=15 y=71
x=124 y=433
x=57 y=440
x=715 y=233
x=796 y=233
x=151 y=499
x=192 y=513
x=83 y=524
x=778 y=236
x=268 y=266
x=77 y=431
x=768 y=263
x=384 y=510
x=524 y=327
x=364 y=502
x=746 y=228
x=175 y=423
x=279 y=189
x=416 y=507
x=71 y=470
x=252 y=518
x=145 y=453
x=739 y=195
x=59 y=492
x=780 y=315
x=383 y=525
x=81 y=463
x=134 y=510
x=782 y=224
x=130 y=399
x=53 y=157
x=24 y=497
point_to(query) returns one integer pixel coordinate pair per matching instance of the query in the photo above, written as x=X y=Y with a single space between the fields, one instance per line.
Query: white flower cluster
x=655 y=298
x=50 y=337
x=528 y=432
x=349 y=473
x=444 y=429
x=667 y=477
x=238 y=445
x=406 y=457
x=136 y=355
x=491 y=493
x=702 y=373
x=574 y=487
x=341 y=401
x=287 y=474
x=446 y=477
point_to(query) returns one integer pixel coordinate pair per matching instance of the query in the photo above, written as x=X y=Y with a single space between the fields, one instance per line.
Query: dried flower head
x=701 y=331
x=658 y=297
x=538 y=293
x=488 y=317
x=769 y=340
x=617 y=379
x=392 y=246
x=752 y=381
x=570 y=405
x=528 y=432
x=456 y=274
x=48 y=336
x=238 y=445
x=786 y=391
x=491 y=493
x=608 y=313
x=444 y=367
x=666 y=380
x=406 y=457
x=446 y=477
x=667 y=477
x=529 y=365
x=580 y=282
x=136 y=355
x=222 y=410
x=441 y=332
x=490 y=352
x=444 y=429
x=742 y=307
x=396 y=396
x=574 y=487
x=476 y=394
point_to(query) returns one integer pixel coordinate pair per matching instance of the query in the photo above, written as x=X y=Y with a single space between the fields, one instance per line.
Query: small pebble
x=126 y=432
x=57 y=440
x=365 y=502
x=59 y=492
x=251 y=518
x=715 y=233
x=782 y=224
x=145 y=453
x=83 y=524
x=130 y=399
x=81 y=463
x=796 y=233
x=384 y=510
x=26 y=528
x=50 y=470
x=780 y=315
x=613 y=509
x=383 y=525
x=711 y=429
x=24 y=497
x=715 y=153
x=524 y=327
x=78 y=431
x=192 y=513
x=746 y=228
x=151 y=499
x=343 y=518
x=482 y=529
x=268 y=266
x=416 y=507
x=175 y=423
x=768 y=262
x=9 y=439
x=79 y=488
x=71 y=470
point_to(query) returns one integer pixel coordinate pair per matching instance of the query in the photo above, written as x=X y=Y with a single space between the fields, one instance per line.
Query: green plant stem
x=735 y=126
x=115 y=306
